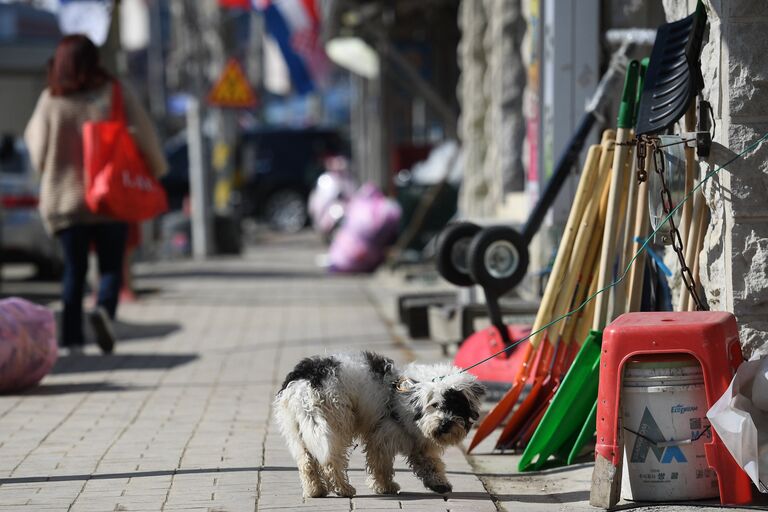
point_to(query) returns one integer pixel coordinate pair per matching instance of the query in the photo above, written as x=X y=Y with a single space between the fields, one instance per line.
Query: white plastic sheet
x=740 y=418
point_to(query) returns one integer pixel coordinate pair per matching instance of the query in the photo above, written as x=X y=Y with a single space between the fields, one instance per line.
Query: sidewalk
x=179 y=418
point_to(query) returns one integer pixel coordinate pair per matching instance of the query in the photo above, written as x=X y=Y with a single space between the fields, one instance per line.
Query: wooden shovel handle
x=583 y=193
x=615 y=215
x=585 y=249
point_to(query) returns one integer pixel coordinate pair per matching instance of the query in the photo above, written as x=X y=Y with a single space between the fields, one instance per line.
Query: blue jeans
x=109 y=242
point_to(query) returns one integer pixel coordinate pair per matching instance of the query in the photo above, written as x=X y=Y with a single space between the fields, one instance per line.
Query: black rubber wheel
x=498 y=259
x=451 y=250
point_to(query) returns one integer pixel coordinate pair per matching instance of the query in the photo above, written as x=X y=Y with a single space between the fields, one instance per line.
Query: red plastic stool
x=713 y=339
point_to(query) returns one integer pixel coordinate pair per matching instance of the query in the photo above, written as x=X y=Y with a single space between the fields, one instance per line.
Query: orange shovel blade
x=521 y=414
x=527 y=431
x=496 y=416
x=539 y=380
x=549 y=393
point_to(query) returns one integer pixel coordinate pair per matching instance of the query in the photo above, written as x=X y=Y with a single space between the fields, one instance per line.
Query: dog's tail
x=304 y=427
x=316 y=434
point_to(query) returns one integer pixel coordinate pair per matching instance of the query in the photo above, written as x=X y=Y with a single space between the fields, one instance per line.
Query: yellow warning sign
x=232 y=88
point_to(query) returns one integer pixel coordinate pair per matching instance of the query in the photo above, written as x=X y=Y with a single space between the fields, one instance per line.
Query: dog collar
x=403 y=385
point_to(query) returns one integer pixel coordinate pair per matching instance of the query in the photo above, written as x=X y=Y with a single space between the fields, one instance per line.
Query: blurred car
x=175 y=228
x=279 y=169
x=23 y=238
x=176 y=180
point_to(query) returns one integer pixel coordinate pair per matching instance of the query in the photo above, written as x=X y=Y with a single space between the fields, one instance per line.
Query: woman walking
x=80 y=90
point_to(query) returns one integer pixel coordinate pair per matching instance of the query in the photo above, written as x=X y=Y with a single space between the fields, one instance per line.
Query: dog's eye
x=433 y=405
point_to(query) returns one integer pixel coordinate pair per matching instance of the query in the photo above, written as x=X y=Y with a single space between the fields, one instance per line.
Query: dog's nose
x=445 y=427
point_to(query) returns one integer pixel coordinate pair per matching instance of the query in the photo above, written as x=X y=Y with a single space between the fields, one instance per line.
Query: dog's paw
x=440 y=487
x=390 y=488
x=316 y=492
x=314 y=488
x=345 y=491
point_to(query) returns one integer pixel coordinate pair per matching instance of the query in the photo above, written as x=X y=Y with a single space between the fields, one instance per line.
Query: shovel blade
x=496 y=415
x=585 y=435
x=569 y=408
x=502 y=409
x=520 y=415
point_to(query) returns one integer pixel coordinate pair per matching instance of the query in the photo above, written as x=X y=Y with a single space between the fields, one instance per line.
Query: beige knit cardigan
x=54 y=139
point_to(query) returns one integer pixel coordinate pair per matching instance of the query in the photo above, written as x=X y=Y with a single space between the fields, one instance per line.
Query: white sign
x=89 y=17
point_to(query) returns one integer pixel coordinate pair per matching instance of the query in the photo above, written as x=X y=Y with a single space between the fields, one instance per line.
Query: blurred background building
x=383 y=82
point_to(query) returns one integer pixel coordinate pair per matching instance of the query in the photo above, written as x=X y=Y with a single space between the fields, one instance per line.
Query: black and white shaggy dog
x=328 y=402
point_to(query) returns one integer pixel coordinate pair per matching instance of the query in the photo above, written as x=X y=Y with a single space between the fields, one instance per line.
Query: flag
x=235 y=4
x=295 y=26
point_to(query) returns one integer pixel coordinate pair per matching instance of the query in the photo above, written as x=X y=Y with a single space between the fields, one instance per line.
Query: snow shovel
x=641 y=225
x=547 y=380
x=521 y=439
x=576 y=395
x=577 y=323
x=534 y=444
x=538 y=351
x=541 y=350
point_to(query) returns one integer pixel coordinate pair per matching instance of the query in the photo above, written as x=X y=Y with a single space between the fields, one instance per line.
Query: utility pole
x=193 y=26
x=201 y=219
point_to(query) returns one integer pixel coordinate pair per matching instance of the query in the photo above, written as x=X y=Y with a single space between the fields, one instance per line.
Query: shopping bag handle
x=118 y=110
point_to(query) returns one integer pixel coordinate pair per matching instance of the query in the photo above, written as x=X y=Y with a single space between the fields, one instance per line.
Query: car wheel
x=286 y=211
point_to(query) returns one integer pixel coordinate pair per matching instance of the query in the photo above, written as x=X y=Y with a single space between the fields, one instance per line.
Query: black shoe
x=102 y=329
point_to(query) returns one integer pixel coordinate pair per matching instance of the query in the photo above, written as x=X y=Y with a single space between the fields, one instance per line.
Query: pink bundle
x=370 y=226
x=28 y=347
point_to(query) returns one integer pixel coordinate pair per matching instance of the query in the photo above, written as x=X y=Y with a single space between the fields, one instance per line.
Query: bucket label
x=649 y=434
x=682 y=409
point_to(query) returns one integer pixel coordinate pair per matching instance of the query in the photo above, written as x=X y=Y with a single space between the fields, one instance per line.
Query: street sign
x=232 y=88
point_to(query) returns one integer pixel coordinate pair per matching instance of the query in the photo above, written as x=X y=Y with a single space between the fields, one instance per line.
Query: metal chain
x=677 y=241
x=640 y=152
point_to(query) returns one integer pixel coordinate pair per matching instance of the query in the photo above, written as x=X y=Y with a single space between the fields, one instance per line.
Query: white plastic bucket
x=664 y=419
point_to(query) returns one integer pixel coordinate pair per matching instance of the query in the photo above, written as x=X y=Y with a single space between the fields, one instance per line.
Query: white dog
x=326 y=403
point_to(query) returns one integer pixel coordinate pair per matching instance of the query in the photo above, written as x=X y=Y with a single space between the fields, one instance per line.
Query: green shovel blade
x=569 y=408
x=587 y=431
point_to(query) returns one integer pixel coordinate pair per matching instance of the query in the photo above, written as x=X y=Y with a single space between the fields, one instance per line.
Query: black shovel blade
x=674 y=76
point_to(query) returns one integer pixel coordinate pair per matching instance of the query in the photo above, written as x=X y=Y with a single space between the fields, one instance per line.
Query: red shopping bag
x=118 y=181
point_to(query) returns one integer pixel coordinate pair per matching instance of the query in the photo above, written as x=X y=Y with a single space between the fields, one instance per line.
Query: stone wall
x=734 y=261
x=491 y=126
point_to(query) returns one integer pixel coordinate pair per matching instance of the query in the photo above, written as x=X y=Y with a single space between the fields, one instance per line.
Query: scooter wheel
x=451 y=250
x=498 y=259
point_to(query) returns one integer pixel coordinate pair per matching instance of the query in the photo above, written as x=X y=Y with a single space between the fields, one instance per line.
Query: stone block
x=747 y=8
x=748 y=174
x=747 y=68
x=749 y=260
x=753 y=333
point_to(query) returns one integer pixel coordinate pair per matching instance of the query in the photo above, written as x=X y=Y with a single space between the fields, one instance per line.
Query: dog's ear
x=476 y=389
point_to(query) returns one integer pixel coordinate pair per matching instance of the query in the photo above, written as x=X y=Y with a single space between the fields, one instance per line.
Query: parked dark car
x=279 y=169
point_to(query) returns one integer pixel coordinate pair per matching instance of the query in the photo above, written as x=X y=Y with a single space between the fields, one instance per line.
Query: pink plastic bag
x=370 y=226
x=28 y=348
